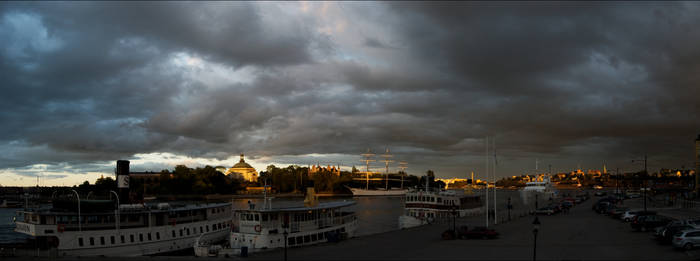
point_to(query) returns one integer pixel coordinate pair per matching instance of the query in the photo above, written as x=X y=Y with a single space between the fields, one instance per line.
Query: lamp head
x=536 y=223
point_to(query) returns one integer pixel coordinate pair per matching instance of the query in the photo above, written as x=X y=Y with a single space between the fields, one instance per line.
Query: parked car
x=556 y=208
x=601 y=206
x=665 y=234
x=649 y=222
x=617 y=211
x=597 y=187
x=566 y=204
x=545 y=211
x=478 y=232
x=686 y=239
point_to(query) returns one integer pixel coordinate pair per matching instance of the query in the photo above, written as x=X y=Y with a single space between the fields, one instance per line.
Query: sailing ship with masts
x=387 y=191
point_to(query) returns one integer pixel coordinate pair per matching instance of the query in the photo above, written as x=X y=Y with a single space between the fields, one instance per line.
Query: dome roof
x=242 y=164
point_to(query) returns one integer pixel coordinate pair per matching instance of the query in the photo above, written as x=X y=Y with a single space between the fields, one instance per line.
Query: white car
x=686 y=239
x=597 y=187
x=628 y=216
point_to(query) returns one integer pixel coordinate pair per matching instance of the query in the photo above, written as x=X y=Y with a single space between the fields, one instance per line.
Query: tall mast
x=495 y=201
x=387 y=159
x=402 y=166
x=487 y=181
x=367 y=159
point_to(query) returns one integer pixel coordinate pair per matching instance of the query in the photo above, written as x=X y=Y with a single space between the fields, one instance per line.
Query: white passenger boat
x=542 y=189
x=266 y=228
x=423 y=207
x=97 y=228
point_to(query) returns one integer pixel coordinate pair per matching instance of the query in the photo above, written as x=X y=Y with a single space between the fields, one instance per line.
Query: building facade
x=314 y=169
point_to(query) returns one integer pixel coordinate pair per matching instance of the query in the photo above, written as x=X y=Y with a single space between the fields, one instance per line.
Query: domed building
x=243 y=170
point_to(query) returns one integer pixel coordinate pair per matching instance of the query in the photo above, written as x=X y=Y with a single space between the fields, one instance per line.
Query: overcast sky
x=87 y=83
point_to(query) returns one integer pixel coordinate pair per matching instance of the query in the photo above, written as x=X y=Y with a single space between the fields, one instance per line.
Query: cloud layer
x=568 y=83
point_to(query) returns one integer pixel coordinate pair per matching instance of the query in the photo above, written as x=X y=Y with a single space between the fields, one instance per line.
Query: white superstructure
x=264 y=229
x=98 y=229
x=423 y=207
x=542 y=189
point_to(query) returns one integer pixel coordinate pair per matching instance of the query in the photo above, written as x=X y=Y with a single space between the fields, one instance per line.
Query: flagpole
x=487 y=181
x=495 y=202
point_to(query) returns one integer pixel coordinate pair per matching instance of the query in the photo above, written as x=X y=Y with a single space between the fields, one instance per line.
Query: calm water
x=374 y=214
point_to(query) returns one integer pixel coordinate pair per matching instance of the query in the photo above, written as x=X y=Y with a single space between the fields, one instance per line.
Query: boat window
x=149 y=237
x=102 y=241
x=140 y=237
x=92 y=241
x=320 y=236
x=257 y=217
x=122 y=239
x=157 y=235
x=439 y=200
x=111 y=240
x=80 y=241
x=314 y=237
x=207 y=228
x=300 y=240
x=131 y=238
x=188 y=231
x=173 y=234
x=342 y=229
x=180 y=232
x=264 y=217
x=201 y=230
x=291 y=241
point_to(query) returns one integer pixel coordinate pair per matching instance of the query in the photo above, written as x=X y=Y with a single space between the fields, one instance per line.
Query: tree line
x=293 y=178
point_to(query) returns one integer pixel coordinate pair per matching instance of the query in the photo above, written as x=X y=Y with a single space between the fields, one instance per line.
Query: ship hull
x=366 y=192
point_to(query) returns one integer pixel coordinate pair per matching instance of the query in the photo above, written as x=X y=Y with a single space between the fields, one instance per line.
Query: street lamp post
x=116 y=211
x=285 y=243
x=285 y=225
x=535 y=229
x=510 y=206
x=646 y=174
x=454 y=219
x=78 y=196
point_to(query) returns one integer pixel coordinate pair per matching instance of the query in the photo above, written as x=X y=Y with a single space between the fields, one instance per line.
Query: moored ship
x=378 y=192
x=424 y=207
x=542 y=189
x=265 y=228
x=133 y=230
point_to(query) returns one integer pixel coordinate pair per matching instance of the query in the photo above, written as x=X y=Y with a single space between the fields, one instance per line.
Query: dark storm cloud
x=561 y=74
x=564 y=82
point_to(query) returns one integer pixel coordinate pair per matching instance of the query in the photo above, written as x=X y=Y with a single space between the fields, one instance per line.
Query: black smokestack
x=122 y=172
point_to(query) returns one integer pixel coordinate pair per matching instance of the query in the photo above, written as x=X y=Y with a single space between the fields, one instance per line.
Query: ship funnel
x=122 y=172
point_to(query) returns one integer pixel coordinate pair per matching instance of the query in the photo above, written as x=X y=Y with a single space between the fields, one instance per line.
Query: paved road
x=579 y=235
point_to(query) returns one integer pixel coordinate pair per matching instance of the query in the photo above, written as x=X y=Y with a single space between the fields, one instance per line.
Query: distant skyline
x=197 y=83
